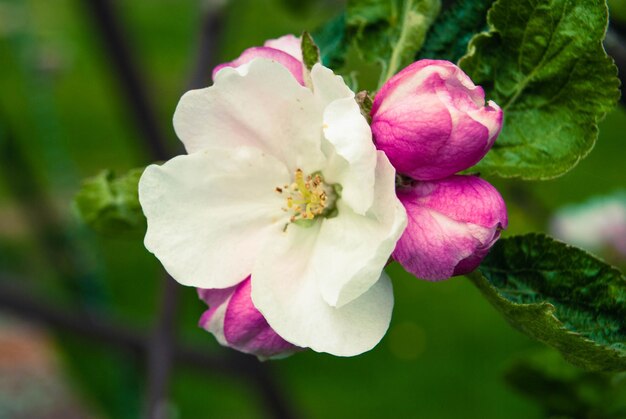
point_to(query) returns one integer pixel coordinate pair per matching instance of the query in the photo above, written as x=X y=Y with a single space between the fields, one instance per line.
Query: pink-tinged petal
x=213 y=298
x=432 y=121
x=452 y=225
x=411 y=143
x=246 y=329
x=287 y=60
x=407 y=81
x=236 y=323
x=212 y=320
x=290 y=44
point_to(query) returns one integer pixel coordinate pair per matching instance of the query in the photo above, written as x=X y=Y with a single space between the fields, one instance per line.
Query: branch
x=133 y=88
x=208 y=41
x=17 y=300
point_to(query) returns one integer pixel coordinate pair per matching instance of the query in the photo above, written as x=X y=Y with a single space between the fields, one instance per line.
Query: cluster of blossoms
x=289 y=205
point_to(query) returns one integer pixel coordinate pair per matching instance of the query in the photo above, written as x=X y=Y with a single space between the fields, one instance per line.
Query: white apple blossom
x=282 y=184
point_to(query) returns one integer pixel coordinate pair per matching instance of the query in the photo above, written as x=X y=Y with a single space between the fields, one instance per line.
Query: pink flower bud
x=285 y=50
x=235 y=322
x=431 y=120
x=452 y=225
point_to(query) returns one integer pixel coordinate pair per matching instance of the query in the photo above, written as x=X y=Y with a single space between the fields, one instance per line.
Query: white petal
x=259 y=104
x=348 y=131
x=286 y=291
x=327 y=86
x=209 y=213
x=351 y=249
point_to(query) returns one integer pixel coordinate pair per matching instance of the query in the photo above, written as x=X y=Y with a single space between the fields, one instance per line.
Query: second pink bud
x=431 y=120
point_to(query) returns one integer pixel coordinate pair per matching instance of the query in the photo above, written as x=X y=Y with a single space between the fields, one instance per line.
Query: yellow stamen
x=308 y=197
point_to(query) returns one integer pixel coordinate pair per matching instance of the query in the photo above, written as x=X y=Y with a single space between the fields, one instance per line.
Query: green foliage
x=332 y=42
x=543 y=62
x=452 y=31
x=110 y=203
x=390 y=32
x=561 y=296
x=563 y=390
x=310 y=51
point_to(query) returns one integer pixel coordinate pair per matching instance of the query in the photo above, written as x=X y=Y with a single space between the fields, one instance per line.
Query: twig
x=161 y=349
x=19 y=301
x=208 y=41
x=115 y=40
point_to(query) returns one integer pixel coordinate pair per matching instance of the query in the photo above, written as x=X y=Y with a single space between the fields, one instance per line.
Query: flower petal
x=328 y=86
x=209 y=213
x=286 y=290
x=350 y=152
x=283 y=57
x=212 y=320
x=353 y=249
x=432 y=121
x=262 y=107
x=352 y=161
x=452 y=225
x=246 y=330
x=290 y=44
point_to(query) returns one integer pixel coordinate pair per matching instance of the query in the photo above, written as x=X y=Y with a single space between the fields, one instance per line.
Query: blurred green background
x=62 y=108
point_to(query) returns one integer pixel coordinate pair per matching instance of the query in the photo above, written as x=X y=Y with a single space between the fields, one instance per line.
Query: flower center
x=309 y=197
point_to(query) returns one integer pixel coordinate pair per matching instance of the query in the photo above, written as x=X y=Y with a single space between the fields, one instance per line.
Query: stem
x=394 y=61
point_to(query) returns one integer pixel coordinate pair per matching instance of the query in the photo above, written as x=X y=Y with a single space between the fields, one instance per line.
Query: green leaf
x=332 y=42
x=543 y=62
x=390 y=32
x=110 y=203
x=452 y=31
x=561 y=296
x=310 y=51
x=566 y=391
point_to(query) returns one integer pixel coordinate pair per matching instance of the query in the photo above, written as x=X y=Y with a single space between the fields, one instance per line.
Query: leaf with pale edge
x=310 y=51
x=390 y=32
x=543 y=62
x=561 y=296
x=453 y=29
x=110 y=204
